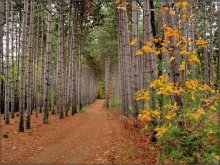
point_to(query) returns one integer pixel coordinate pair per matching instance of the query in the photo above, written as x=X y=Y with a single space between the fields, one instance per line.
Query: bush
x=188 y=133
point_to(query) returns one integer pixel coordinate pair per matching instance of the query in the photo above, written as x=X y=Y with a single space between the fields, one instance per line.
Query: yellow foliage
x=148 y=49
x=171 y=12
x=161 y=131
x=155 y=40
x=133 y=42
x=170 y=49
x=155 y=113
x=117 y=1
x=164 y=8
x=157 y=52
x=188 y=84
x=145 y=116
x=185 y=39
x=142 y=95
x=159 y=82
x=171 y=59
x=193 y=58
x=156 y=83
x=168 y=117
x=120 y=7
x=178 y=4
x=183 y=52
x=178 y=43
x=213 y=108
x=182 y=66
x=202 y=43
x=139 y=52
x=184 y=5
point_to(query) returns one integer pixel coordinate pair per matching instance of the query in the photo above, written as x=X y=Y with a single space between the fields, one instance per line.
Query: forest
x=110 y=81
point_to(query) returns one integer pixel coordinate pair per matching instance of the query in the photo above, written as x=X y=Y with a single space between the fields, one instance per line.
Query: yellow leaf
x=192 y=16
x=178 y=4
x=145 y=116
x=121 y=8
x=182 y=66
x=184 y=5
x=117 y=1
x=178 y=43
x=168 y=117
x=213 y=108
x=188 y=84
x=193 y=58
x=202 y=43
x=170 y=49
x=164 y=8
x=157 y=52
x=161 y=131
x=133 y=42
x=171 y=12
x=155 y=113
x=139 y=52
x=171 y=59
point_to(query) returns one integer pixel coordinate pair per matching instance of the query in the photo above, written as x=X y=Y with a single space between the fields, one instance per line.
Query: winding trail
x=84 y=138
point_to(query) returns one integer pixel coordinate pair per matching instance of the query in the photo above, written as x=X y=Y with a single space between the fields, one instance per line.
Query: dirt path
x=84 y=138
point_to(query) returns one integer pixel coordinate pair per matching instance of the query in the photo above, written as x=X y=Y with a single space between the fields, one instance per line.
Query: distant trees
x=37 y=71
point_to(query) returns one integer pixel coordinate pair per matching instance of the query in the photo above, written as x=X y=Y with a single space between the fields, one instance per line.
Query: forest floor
x=93 y=136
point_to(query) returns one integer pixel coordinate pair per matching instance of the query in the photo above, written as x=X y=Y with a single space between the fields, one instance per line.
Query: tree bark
x=48 y=63
x=7 y=81
x=30 y=67
x=1 y=57
x=23 y=66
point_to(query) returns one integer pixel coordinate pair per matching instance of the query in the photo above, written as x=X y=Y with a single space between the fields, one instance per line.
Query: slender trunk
x=7 y=81
x=211 y=63
x=1 y=56
x=12 y=59
x=218 y=44
x=205 y=54
x=23 y=77
x=74 y=66
x=48 y=60
x=107 y=75
x=37 y=73
x=60 y=69
x=42 y=64
x=30 y=68
x=135 y=58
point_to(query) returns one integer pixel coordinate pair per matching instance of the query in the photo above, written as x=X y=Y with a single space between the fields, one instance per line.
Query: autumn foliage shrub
x=187 y=134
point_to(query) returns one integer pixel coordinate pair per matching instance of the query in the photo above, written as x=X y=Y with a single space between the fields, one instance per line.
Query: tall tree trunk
x=211 y=63
x=23 y=77
x=42 y=63
x=74 y=64
x=48 y=61
x=30 y=67
x=192 y=36
x=205 y=54
x=37 y=60
x=12 y=61
x=18 y=48
x=134 y=56
x=218 y=4
x=7 y=81
x=60 y=62
x=107 y=75
x=1 y=56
